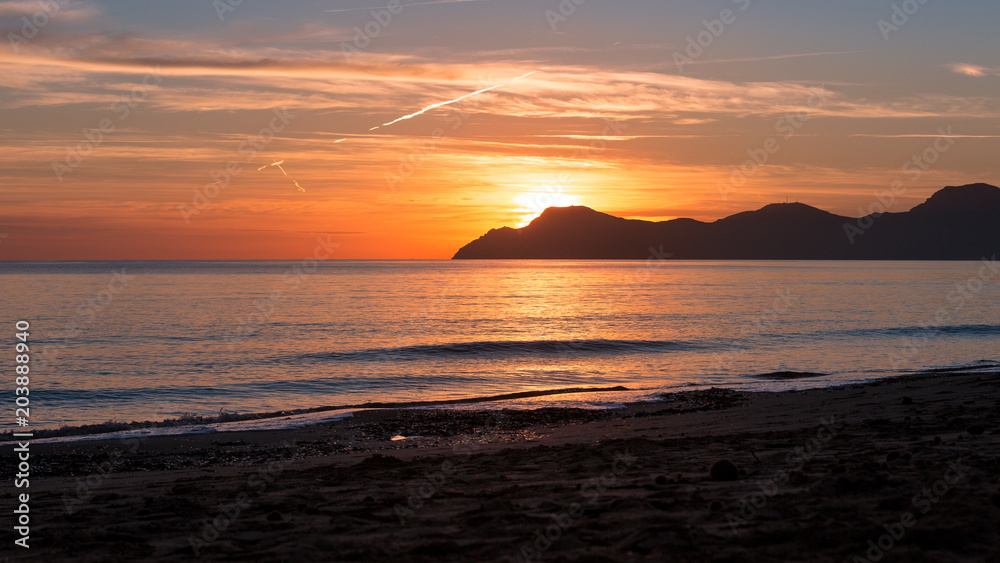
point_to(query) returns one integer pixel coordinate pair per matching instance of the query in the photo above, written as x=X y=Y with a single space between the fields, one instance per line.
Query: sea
x=155 y=340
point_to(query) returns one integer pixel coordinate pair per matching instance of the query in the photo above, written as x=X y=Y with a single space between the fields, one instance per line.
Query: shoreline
x=93 y=431
x=628 y=484
x=267 y=421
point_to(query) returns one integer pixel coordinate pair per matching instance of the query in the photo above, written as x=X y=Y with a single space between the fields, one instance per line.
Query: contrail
x=459 y=99
x=278 y=164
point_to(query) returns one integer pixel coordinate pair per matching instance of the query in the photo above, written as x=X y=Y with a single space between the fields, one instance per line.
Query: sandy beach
x=906 y=469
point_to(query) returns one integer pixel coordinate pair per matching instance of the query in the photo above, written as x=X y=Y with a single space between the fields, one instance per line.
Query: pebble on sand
x=724 y=470
x=976 y=429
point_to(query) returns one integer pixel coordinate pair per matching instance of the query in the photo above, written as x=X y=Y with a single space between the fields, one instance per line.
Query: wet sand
x=906 y=469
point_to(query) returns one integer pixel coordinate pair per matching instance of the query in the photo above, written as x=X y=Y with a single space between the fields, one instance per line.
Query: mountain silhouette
x=956 y=223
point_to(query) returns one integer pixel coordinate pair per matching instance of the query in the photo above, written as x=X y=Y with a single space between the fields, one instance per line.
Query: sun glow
x=533 y=203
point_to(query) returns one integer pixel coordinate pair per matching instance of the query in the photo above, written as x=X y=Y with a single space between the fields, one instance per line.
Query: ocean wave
x=502 y=349
x=970 y=329
x=783 y=375
x=868 y=332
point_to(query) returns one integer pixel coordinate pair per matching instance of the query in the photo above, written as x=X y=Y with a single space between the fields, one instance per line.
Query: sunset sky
x=612 y=104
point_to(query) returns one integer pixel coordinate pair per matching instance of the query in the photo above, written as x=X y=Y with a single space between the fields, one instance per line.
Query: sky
x=227 y=129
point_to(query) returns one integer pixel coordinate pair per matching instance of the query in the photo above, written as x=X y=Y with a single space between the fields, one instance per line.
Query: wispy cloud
x=221 y=79
x=923 y=136
x=974 y=70
x=407 y=5
x=65 y=11
x=772 y=57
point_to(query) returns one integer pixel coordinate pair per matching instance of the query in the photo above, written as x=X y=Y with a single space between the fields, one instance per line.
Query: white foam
x=276 y=423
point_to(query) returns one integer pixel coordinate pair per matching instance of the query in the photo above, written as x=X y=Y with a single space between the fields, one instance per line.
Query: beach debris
x=976 y=429
x=428 y=424
x=724 y=470
x=696 y=401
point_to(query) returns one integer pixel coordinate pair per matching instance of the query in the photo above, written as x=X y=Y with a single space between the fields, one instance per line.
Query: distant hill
x=956 y=223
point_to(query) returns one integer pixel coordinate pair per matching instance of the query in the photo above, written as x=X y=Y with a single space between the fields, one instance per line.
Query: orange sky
x=607 y=119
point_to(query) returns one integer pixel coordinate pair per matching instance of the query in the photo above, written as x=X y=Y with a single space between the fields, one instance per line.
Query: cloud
x=18 y=7
x=58 y=11
x=404 y=5
x=974 y=70
x=219 y=80
x=771 y=57
x=241 y=66
x=695 y=121
x=211 y=73
x=922 y=136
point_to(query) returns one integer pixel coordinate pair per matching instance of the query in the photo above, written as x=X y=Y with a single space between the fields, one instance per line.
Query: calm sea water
x=155 y=340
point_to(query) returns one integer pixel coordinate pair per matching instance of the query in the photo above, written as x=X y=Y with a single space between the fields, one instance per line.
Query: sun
x=533 y=203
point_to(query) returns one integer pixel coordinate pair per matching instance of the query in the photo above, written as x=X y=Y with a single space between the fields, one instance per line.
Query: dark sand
x=819 y=474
